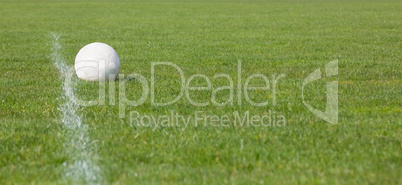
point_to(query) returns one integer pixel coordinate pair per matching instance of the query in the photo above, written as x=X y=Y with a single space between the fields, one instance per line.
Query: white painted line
x=82 y=168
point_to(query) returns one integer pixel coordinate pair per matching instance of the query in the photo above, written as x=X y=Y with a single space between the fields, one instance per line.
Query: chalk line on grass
x=82 y=167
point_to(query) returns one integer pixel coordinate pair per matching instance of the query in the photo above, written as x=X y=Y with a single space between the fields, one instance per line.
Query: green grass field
x=293 y=38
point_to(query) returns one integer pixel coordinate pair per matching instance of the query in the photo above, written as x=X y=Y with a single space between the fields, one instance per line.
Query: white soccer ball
x=97 y=62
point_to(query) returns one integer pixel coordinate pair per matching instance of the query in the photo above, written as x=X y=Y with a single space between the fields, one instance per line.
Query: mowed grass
x=207 y=37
